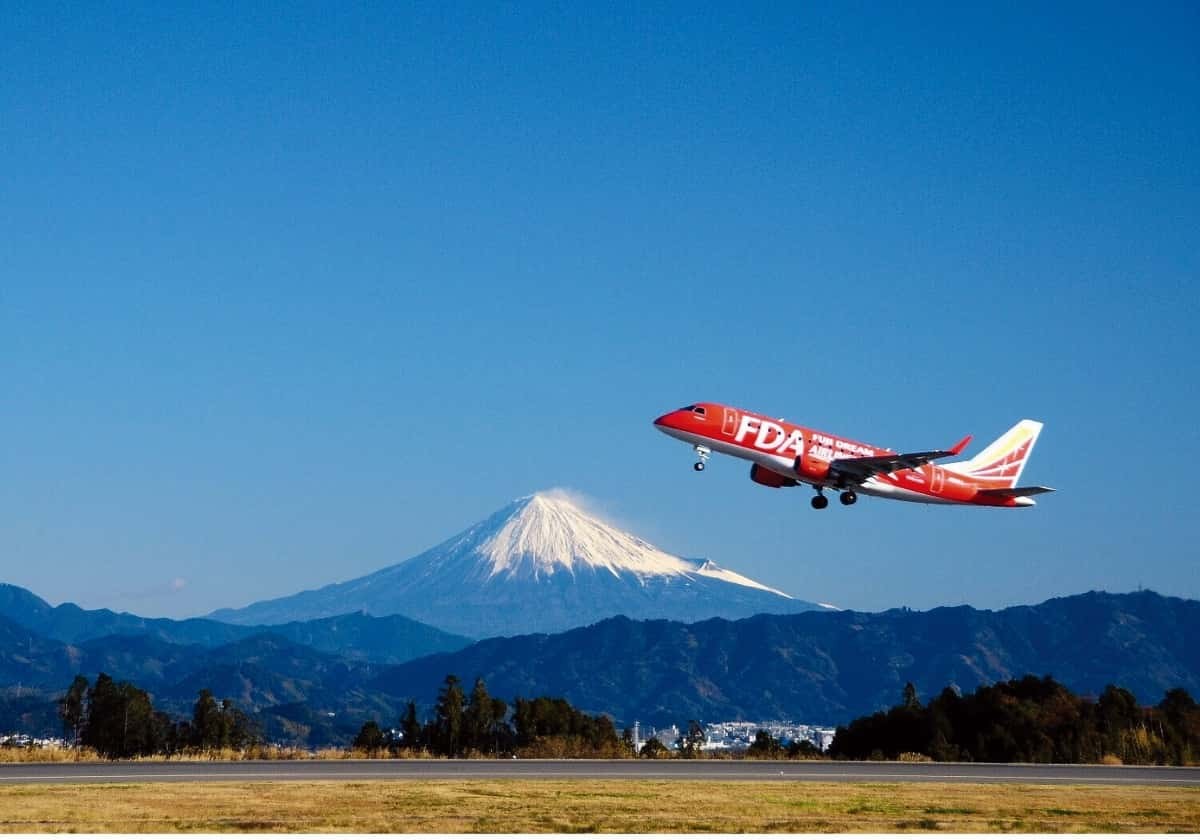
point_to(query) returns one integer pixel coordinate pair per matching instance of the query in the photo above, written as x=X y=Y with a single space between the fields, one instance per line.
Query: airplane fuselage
x=785 y=454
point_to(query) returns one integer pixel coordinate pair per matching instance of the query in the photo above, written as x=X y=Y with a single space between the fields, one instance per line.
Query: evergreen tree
x=501 y=733
x=173 y=735
x=104 y=731
x=548 y=721
x=478 y=718
x=448 y=717
x=410 y=728
x=370 y=738
x=208 y=724
x=72 y=708
x=121 y=721
x=140 y=724
x=1181 y=722
x=1118 y=716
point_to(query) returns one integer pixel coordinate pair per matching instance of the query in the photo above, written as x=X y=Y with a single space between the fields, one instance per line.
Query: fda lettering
x=770 y=436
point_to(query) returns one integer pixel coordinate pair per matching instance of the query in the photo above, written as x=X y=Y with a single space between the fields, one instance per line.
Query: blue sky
x=292 y=292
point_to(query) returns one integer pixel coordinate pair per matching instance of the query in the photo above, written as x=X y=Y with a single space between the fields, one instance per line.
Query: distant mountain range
x=305 y=680
x=392 y=638
x=831 y=667
x=289 y=686
x=815 y=667
x=541 y=564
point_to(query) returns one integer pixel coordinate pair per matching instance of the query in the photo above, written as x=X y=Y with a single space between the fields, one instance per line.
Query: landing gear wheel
x=819 y=503
x=698 y=466
x=848 y=497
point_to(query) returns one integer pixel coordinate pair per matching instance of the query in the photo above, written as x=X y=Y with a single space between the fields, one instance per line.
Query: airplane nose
x=670 y=420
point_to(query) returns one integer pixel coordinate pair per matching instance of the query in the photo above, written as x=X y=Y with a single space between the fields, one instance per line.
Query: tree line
x=1031 y=719
x=118 y=720
x=543 y=727
x=465 y=724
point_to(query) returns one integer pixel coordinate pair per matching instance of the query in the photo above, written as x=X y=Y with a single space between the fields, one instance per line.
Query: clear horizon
x=293 y=293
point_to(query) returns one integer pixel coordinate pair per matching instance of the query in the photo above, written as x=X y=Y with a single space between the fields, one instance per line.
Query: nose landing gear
x=848 y=497
x=702 y=452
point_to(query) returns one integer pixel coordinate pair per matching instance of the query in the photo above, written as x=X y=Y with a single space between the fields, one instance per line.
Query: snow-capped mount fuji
x=546 y=533
x=540 y=564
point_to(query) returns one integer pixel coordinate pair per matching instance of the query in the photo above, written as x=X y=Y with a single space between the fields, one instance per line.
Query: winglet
x=960 y=446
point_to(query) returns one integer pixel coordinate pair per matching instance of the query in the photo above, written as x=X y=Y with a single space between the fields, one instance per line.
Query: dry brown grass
x=503 y=806
x=23 y=755
x=27 y=755
x=20 y=755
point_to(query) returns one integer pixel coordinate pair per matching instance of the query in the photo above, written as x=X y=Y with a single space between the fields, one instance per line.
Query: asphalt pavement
x=704 y=770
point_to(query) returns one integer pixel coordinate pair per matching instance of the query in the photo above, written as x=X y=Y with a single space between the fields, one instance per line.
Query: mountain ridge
x=392 y=638
x=827 y=667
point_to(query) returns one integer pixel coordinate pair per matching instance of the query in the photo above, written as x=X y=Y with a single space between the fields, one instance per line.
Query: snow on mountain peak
x=547 y=532
x=710 y=569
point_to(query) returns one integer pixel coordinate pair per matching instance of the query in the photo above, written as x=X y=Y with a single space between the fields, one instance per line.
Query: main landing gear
x=702 y=452
x=846 y=497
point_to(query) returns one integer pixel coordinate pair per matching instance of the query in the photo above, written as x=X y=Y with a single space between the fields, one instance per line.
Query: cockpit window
x=698 y=409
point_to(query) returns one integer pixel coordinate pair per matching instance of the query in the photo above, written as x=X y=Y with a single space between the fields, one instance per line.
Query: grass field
x=608 y=806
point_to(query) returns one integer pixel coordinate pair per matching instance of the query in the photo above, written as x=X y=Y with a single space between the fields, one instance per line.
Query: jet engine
x=769 y=478
x=815 y=469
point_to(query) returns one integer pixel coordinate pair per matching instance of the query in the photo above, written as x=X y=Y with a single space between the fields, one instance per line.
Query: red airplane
x=784 y=455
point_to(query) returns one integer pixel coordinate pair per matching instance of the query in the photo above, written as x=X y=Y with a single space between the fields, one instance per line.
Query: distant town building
x=738 y=735
x=20 y=739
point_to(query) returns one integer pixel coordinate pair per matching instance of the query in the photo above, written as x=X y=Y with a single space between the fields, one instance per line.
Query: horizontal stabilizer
x=1014 y=492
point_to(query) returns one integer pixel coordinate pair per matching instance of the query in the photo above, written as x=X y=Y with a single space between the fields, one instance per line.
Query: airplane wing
x=1014 y=492
x=858 y=470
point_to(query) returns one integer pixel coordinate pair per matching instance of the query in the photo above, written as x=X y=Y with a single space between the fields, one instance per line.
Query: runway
x=710 y=771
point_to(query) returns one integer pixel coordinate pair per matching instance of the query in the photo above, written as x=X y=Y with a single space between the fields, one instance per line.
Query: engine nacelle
x=769 y=478
x=814 y=469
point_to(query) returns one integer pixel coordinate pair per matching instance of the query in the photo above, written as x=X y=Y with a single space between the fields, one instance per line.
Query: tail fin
x=1001 y=463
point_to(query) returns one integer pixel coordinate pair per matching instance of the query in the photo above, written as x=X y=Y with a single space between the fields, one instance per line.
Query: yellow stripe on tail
x=1002 y=462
